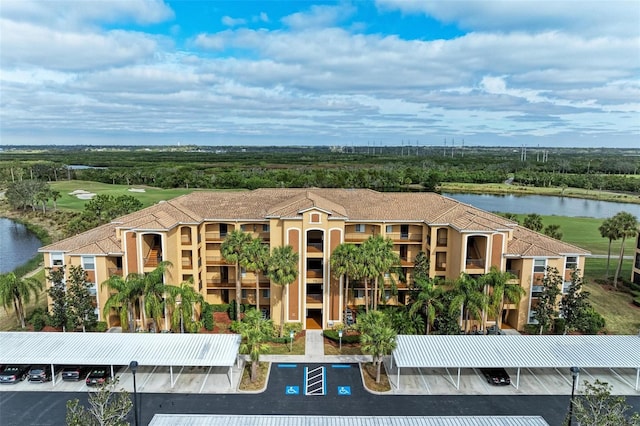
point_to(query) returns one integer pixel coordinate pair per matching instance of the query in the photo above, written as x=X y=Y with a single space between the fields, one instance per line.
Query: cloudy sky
x=503 y=72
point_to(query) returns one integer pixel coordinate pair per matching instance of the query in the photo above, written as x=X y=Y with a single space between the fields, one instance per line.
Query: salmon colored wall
x=294 y=288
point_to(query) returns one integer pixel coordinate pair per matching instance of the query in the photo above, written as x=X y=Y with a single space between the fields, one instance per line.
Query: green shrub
x=223 y=307
x=101 y=326
x=637 y=302
x=592 y=322
x=207 y=316
x=38 y=320
x=559 y=325
x=531 y=329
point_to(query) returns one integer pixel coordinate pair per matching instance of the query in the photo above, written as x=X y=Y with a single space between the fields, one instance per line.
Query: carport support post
x=53 y=376
x=171 y=375
x=518 y=379
x=398 y=377
x=458 y=386
x=637 y=377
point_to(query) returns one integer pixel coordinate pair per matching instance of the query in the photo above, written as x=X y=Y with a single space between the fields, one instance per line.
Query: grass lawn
x=299 y=343
x=148 y=198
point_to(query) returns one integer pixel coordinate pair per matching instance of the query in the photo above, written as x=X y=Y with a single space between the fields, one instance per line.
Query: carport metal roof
x=469 y=351
x=151 y=349
x=239 y=420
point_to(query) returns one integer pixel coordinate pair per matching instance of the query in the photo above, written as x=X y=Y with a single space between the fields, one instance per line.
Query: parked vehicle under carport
x=496 y=376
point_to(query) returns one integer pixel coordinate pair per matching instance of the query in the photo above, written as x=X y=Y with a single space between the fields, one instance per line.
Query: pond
x=17 y=245
x=546 y=205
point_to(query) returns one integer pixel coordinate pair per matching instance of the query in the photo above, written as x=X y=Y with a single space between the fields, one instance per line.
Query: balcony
x=220 y=282
x=187 y=264
x=215 y=260
x=115 y=271
x=405 y=236
x=314 y=297
x=314 y=273
x=314 y=247
x=215 y=236
x=358 y=236
x=442 y=241
x=516 y=274
x=185 y=239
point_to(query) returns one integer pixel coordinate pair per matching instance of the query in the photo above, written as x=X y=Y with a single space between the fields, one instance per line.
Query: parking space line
x=204 y=382
x=620 y=377
x=538 y=380
x=148 y=377
x=426 y=385
x=563 y=376
x=484 y=380
x=584 y=370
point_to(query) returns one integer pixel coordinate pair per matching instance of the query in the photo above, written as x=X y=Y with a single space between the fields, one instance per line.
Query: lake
x=546 y=205
x=17 y=245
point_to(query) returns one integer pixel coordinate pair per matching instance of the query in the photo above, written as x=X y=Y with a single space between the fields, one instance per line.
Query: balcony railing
x=475 y=263
x=185 y=239
x=358 y=236
x=314 y=273
x=215 y=260
x=405 y=236
x=115 y=271
x=314 y=247
x=314 y=298
x=442 y=242
x=215 y=236
x=515 y=273
x=219 y=282
x=187 y=264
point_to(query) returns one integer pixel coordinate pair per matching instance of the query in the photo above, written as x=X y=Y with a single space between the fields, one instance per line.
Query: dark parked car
x=74 y=373
x=496 y=376
x=98 y=376
x=14 y=373
x=40 y=373
x=494 y=330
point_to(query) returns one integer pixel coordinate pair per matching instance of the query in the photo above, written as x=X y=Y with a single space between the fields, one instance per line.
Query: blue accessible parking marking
x=287 y=365
x=341 y=366
x=292 y=390
x=344 y=390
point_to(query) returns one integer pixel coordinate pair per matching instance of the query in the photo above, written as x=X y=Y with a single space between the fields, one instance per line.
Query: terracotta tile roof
x=527 y=243
x=352 y=204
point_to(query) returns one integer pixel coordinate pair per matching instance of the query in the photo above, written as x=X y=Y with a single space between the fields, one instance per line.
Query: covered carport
x=517 y=351
x=116 y=349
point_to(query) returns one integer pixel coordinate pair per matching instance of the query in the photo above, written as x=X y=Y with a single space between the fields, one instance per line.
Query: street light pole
x=133 y=365
x=574 y=373
x=340 y=336
x=291 y=334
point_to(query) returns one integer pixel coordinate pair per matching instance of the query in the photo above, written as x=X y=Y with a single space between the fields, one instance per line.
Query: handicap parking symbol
x=292 y=390
x=344 y=390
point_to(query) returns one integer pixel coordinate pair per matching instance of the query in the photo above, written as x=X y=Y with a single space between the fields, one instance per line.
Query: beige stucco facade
x=189 y=230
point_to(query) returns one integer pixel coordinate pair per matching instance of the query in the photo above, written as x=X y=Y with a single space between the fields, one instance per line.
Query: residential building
x=189 y=230
x=635 y=270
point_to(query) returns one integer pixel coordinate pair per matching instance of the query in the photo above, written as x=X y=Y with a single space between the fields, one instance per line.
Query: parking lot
x=148 y=379
x=533 y=381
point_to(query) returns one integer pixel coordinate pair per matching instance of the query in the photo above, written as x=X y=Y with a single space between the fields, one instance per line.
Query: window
x=571 y=263
x=57 y=259
x=387 y=294
x=265 y=228
x=244 y=293
x=539 y=265
x=360 y=227
x=243 y=272
x=389 y=229
x=88 y=263
x=243 y=228
x=565 y=286
x=359 y=294
x=266 y=294
x=315 y=218
x=442 y=236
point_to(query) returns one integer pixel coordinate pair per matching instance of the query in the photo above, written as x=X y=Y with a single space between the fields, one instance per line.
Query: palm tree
x=255 y=332
x=533 y=221
x=378 y=338
x=182 y=298
x=376 y=258
x=497 y=281
x=343 y=263
x=232 y=249
x=469 y=298
x=153 y=294
x=627 y=226
x=426 y=299
x=18 y=291
x=608 y=230
x=255 y=259
x=283 y=270
x=127 y=292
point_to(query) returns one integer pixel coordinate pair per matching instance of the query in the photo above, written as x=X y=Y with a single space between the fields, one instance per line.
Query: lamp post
x=574 y=373
x=291 y=334
x=133 y=366
x=340 y=337
x=179 y=303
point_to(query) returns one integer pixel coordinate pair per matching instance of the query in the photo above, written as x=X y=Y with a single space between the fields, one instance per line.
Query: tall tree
x=597 y=407
x=153 y=293
x=553 y=231
x=609 y=231
x=546 y=311
x=127 y=292
x=182 y=300
x=283 y=270
x=376 y=258
x=255 y=259
x=627 y=226
x=426 y=299
x=469 y=297
x=233 y=248
x=378 y=338
x=80 y=310
x=574 y=303
x=255 y=332
x=18 y=291
x=107 y=408
x=495 y=283
x=343 y=264
x=59 y=315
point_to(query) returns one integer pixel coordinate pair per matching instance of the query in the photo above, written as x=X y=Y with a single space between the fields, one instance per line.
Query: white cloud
x=590 y=17
x=232 y=22
x=319 y=16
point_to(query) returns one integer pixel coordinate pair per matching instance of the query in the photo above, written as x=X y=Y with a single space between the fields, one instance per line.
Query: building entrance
x=314 y=319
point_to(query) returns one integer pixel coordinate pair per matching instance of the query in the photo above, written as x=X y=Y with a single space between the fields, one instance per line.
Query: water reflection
x=17 y=245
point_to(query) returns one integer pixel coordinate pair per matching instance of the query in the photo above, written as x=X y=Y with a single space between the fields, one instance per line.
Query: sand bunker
x=81 y=194
x=136 y=190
